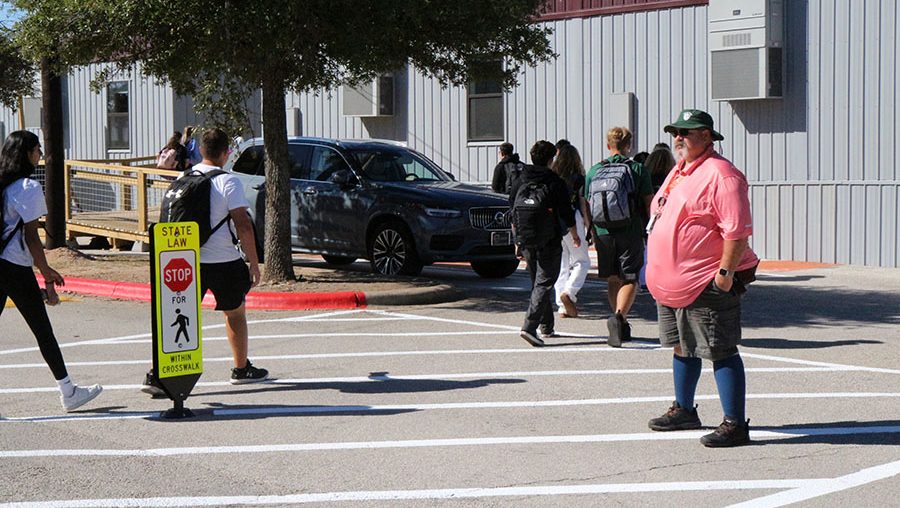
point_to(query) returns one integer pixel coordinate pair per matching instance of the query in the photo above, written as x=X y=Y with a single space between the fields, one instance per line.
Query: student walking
x=22 y=205
x=699 y=260
x=191 y=146
x=507 y=169
x=174 y=155
x=540 y=202
x=619 y=191
x=576 y=261
x=222 y=270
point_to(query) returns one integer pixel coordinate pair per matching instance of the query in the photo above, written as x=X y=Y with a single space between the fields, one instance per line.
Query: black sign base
x=178 y=412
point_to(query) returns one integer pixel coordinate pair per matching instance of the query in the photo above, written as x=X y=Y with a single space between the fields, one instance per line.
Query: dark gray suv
x=384 y=202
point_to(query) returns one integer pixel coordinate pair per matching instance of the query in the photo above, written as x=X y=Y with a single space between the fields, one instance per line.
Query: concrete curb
x=274 y=301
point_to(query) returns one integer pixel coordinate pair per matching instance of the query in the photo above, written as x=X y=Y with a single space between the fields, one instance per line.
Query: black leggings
x=20 y=285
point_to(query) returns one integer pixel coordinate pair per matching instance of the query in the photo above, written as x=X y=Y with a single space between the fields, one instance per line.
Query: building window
x=485 y=109
x=117 y=137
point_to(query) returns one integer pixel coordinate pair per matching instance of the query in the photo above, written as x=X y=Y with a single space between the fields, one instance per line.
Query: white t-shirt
x=22 y=199
x=226 y=194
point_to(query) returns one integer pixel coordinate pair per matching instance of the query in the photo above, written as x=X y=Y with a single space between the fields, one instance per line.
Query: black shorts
x=229 y=283
x=621 y=255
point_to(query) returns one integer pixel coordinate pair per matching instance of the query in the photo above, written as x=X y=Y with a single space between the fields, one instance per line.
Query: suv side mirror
x=344 y=178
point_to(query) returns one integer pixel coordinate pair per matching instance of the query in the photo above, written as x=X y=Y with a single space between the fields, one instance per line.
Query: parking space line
x=820 y=364
x=757 y=435
x=530 y=404
x=434 y=494
x=813 y=490
x=127 y=338
x=437 y=377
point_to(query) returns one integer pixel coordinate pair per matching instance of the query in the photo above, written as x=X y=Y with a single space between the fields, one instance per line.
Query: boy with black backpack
x=507 y=171
x=540 y=206
x=618 y=191
x=218 y=198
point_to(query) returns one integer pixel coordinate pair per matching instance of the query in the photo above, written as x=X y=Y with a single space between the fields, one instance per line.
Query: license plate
x=501 y=238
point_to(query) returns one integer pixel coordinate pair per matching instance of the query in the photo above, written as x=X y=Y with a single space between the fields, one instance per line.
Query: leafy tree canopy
x=298 y=45
x=17 y=76
x=223 y=49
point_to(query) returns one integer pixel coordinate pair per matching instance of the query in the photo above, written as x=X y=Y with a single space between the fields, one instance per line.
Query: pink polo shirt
x=708 y=206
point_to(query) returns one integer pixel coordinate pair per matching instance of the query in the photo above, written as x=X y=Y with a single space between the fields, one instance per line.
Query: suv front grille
x=494 y=218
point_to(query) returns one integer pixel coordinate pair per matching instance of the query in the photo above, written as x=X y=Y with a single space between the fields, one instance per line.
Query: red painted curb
x=255 y=300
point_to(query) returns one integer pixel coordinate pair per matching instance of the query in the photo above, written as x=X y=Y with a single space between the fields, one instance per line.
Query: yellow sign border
x=180 y=363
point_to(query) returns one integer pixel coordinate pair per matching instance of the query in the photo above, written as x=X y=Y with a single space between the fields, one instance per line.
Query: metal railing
x=114 y=199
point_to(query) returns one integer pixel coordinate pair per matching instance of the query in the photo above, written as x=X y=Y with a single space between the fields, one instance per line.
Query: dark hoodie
x=501 y=172
x=559 y=194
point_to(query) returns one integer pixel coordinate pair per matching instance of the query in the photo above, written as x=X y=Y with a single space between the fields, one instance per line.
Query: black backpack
x=611 y=195
x=513 y=173
x=187 y=199
x=19 y=225
x=533 y=218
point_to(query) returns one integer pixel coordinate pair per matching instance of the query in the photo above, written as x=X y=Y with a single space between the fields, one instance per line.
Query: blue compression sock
x=732 y=385
x=686 y=373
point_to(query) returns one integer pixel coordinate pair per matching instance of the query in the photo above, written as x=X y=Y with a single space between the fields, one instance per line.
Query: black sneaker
x=531 y=338
x=729 y=433
x=248 y=374
x=614 y=326
x=676 y=418
x=151 y=386
x=619 y=330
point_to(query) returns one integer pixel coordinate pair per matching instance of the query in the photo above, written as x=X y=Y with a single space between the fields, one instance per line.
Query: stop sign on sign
x=178 y=274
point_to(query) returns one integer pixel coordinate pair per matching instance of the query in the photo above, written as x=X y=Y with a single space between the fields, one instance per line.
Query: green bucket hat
x=693 y=119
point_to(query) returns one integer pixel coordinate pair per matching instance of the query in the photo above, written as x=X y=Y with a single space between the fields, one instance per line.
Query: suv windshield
x=397 y=166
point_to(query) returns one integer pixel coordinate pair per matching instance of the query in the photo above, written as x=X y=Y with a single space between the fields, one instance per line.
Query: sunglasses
x=682 y=132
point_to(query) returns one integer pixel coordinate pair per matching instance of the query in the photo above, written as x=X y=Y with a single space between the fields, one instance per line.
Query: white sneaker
x=81 y=396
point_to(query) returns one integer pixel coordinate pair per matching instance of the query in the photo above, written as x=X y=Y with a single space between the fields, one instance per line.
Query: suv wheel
x=495 y=269
x=338 y=260
x=393 y=251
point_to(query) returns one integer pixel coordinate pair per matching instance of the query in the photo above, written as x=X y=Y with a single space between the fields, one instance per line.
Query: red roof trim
x=649 y=5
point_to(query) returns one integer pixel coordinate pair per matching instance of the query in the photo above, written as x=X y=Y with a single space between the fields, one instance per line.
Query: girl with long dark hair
x=576 y=261
x=23 y=204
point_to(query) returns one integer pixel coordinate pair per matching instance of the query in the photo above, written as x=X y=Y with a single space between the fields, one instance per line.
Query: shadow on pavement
x=803 y=344
x=850 y=433
x=379 y=384
x=778 y=304
x=263 y=411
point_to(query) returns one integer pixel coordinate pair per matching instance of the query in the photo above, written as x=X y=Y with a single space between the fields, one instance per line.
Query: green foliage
x=17 y=76
x=298 y=44
x=219 y=50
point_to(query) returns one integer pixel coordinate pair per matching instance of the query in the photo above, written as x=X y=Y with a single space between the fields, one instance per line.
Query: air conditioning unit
x=370 y=99
x=746 y=49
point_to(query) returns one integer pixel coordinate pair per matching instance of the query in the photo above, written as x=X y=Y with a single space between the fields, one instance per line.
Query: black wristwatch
x=726 y=273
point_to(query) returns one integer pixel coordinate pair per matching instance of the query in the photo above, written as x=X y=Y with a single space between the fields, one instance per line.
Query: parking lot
x=443 y=404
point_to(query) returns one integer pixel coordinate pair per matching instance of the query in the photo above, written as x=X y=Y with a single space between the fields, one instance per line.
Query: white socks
x=66 y=386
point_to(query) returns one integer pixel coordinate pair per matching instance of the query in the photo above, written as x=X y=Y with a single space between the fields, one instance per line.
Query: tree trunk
x=54 y=155
x=279 y=265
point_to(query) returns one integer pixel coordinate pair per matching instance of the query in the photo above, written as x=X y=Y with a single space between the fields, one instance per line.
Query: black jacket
x=559 y=194
x=501 y=172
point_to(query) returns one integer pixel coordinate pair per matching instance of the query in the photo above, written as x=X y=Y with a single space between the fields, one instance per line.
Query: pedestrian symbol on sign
x=182 y=323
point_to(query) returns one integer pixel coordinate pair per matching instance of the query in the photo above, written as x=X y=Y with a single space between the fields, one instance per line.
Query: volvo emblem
x=498 y=217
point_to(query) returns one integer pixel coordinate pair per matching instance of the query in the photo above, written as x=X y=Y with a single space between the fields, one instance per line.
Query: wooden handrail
x=129 y=214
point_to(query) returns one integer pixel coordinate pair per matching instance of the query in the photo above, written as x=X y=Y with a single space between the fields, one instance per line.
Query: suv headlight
x=443 y=213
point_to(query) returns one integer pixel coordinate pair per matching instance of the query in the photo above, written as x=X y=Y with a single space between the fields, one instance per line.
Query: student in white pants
x=575 y=262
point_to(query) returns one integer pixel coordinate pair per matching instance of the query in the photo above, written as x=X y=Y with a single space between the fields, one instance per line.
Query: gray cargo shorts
x=708 y=328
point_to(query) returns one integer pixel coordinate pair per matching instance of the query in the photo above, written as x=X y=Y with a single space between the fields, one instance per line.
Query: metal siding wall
x=151 y=116
x=821 y=162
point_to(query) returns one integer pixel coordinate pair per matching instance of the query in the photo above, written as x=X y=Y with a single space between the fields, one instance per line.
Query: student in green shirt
x=620 y=251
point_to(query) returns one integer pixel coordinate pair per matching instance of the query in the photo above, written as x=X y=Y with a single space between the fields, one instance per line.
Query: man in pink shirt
x=698 y=241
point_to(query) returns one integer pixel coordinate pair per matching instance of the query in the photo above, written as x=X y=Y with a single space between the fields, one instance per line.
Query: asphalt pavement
x=441 y=403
